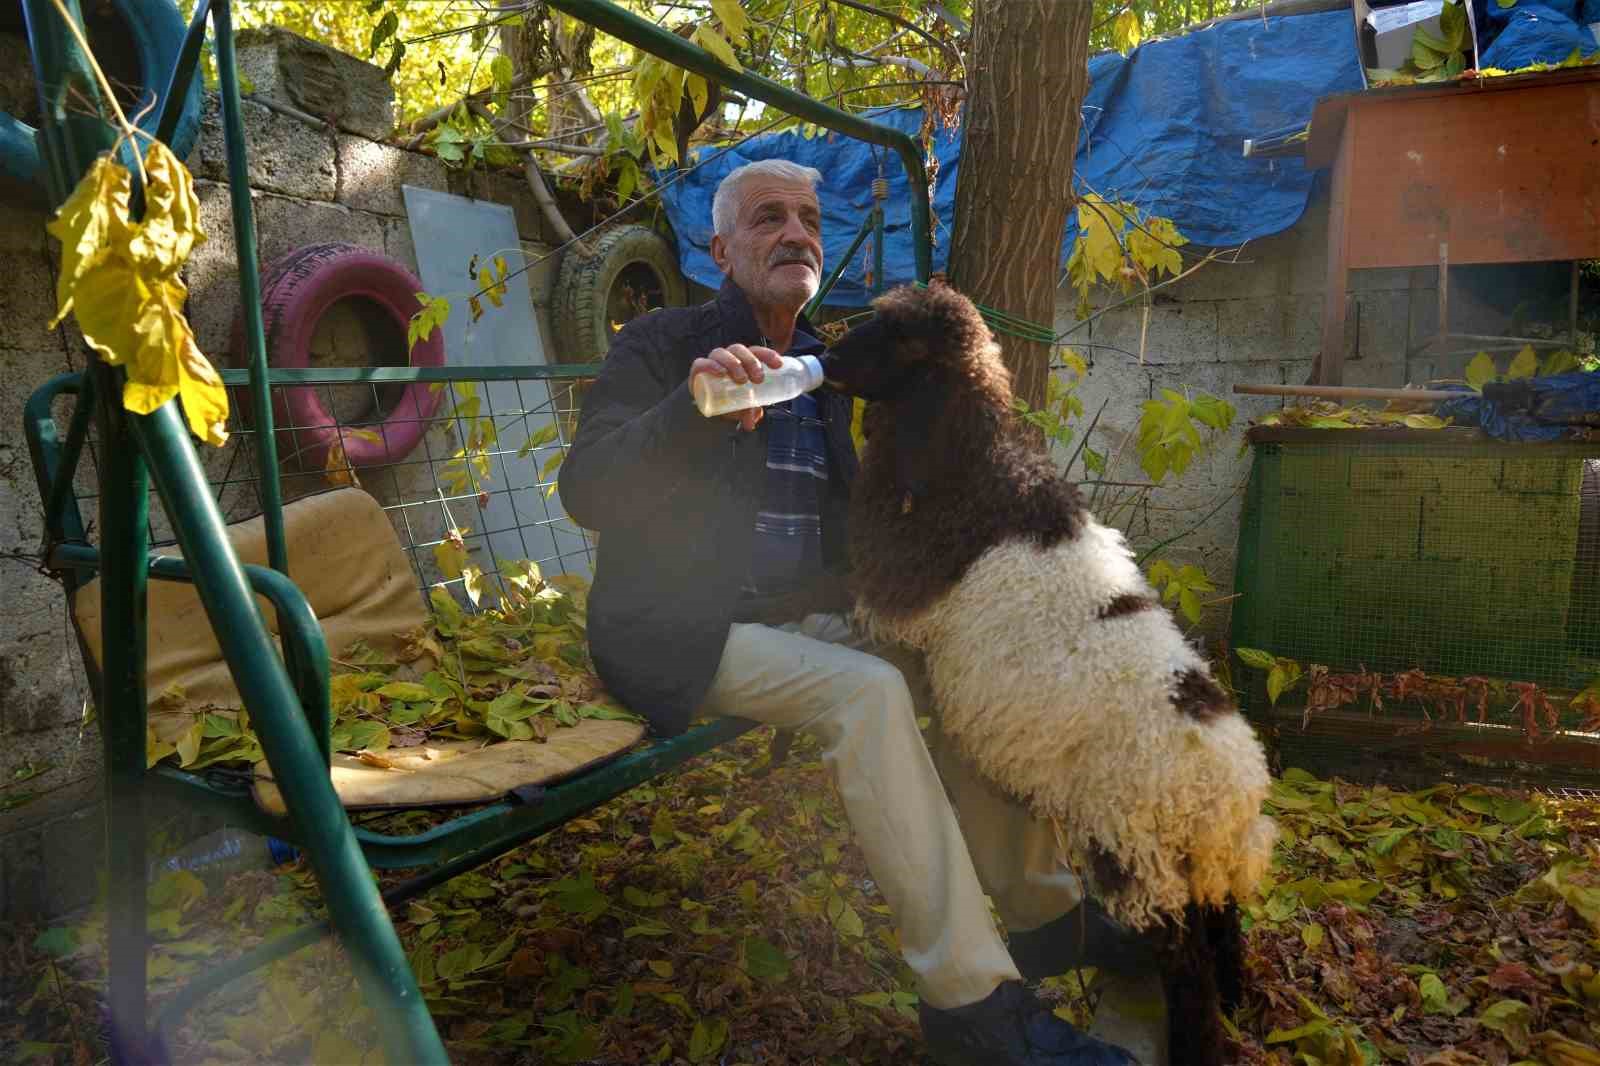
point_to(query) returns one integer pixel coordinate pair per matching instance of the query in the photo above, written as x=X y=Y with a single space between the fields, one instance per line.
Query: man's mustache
x=794 y=255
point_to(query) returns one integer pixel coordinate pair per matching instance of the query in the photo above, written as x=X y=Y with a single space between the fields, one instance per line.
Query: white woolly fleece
x=1073 y=714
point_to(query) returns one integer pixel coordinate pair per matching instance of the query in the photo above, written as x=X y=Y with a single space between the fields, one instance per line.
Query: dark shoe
x=1011 y=1028
x=1084 y=936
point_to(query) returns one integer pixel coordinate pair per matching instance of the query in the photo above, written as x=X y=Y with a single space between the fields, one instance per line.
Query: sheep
x=1055 y=670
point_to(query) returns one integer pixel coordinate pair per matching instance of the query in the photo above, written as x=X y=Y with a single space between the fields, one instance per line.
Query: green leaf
x=1189 y=603
x=409 y=691
x=1383 y=843
x=1289 y=1036
x=1480 y=371
x=1435 y=997
x=1512 y=1019
x=1453 y=27
x=1312 y=935
x=502 y=72
x=579 y=896
x=382 y=32
x=58 y=941
x=1281 y=678
x=764 y=961
x=707 y=1039
x=1261 y=660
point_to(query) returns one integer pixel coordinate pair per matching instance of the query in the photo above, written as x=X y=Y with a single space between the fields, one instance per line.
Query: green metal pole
x=244 y=241
x=838 y=268
x=292 y=751
x=183 y=72
x=646 y=35
x=71 y=144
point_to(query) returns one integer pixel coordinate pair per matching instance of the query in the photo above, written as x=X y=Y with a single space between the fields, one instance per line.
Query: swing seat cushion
x=346 y=559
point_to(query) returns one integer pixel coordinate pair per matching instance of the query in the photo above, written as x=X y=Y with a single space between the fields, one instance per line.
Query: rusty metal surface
x=1507 y=173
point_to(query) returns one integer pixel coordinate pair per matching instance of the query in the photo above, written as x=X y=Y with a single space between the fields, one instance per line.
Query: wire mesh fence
x=464 y=455
x=1429 y=576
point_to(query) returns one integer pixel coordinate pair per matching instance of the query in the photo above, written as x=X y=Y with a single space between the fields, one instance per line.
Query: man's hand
x=742 y=365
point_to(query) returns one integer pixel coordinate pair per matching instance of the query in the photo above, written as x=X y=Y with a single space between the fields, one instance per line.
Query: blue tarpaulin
x=1162 y=128
x=1533 y=409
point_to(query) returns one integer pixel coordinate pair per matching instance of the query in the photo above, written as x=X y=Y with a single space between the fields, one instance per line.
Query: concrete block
x=50 y=849
x=1254 y=330
x=1176 y=333
x=285 y=155
x=41 y=679
x=212 y=273
x=1258 y=269
x=284 y=225
x=505 y=187
x=371 y=174
x=27 y=301
x=322 y=81
x=397 y=243
x=1380 y=328
x=21 y=226
x=18 y=97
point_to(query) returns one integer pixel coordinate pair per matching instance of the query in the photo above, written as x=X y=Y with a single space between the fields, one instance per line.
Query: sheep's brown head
x=932 y=374
x=916 y=334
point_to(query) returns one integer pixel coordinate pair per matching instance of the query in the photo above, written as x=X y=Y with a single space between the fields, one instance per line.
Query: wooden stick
x=1348 y=392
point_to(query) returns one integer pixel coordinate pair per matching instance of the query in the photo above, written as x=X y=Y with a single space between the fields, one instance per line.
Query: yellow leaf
x=1559 y=363
x=698 y=92
x=121 y=278
x=171 y=226
x=337 y=469
x=717 y=45
x=91 y=220
x=189 y=743
x=451 y=554
x=1126 y=31
x=473 y=582
x=733 y=18
x=1525 y=365
x=1480 y=371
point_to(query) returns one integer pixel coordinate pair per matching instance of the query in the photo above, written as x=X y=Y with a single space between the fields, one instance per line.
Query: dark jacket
x=673 y=496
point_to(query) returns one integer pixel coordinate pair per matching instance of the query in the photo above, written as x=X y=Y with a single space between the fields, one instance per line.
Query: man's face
x=774 y=253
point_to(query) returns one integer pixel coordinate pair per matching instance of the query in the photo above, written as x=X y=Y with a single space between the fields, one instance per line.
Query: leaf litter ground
x=723 y=915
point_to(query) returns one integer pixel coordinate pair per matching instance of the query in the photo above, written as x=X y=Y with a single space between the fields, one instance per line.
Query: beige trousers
x=818 y=675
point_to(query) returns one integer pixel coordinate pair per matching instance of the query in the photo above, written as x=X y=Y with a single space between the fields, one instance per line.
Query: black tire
x=631 y=269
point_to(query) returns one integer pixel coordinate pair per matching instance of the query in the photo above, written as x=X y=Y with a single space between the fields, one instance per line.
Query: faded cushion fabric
x=346 y=559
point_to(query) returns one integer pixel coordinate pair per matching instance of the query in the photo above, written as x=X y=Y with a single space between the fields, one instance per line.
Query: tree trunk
x=1027 y=71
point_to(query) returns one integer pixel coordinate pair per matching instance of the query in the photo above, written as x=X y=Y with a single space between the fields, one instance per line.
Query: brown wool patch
x=1127 y=603
x=1199 y=697
x=1110 y=876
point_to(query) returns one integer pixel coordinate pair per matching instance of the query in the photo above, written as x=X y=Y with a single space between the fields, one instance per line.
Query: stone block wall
x=1255 y=318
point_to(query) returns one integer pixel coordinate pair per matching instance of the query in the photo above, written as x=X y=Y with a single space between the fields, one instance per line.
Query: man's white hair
x=725 y=204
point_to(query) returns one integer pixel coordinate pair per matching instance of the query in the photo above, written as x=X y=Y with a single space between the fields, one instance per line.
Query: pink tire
x=298 y=288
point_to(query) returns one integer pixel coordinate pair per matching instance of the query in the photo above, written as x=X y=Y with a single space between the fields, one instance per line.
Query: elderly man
x=720 y=589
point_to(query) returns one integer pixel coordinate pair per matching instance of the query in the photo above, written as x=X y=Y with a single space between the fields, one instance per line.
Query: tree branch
x=943 y=46
x=421 y=127
x=541 y=191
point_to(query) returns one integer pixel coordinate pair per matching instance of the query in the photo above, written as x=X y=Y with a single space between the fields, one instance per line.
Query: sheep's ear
x=916 y=419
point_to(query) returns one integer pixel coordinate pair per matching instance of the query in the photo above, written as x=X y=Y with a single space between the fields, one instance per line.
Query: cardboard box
x=1384 y=34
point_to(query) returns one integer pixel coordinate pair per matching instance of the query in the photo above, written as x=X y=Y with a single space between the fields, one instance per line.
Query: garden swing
x=278 y=661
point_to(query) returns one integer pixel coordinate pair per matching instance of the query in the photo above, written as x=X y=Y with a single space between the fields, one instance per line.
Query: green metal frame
x=287 y=697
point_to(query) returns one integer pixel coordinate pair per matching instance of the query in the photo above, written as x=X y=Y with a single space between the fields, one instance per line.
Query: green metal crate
x=1441 y=551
